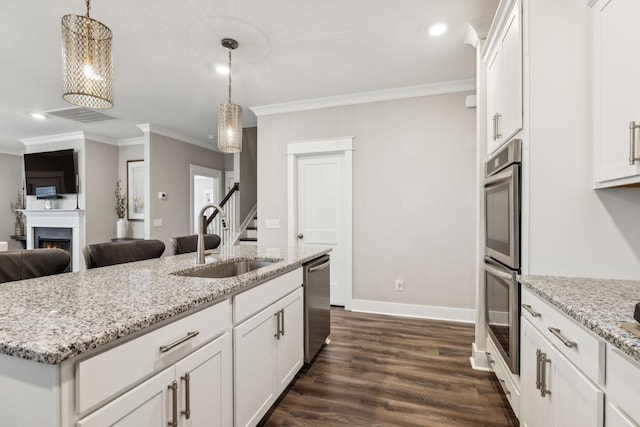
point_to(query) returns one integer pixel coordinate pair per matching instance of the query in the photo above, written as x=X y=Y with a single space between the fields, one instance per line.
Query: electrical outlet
x=399 y=285
x=157 y=223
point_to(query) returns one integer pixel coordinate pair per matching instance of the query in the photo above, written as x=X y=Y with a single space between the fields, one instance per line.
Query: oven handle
x=500 y=177
x=498 y=273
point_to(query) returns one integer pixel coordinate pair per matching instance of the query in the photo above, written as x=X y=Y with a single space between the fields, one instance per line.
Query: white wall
x=573 y=230
x=168 y=163
x=11 y=171
x=101 y=164
x=413 y=193
x=125 y=153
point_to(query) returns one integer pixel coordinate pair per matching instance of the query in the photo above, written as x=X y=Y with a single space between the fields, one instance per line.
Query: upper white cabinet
x=503 y=56
x=616 y=93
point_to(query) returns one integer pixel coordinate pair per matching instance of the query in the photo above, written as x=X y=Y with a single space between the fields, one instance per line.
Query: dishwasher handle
x=319 y=267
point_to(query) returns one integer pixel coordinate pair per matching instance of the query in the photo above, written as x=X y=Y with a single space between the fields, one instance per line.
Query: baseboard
x=479 y=360
x=414 y=310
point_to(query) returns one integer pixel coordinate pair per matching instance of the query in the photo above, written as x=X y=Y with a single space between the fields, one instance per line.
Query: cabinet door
x=210 y=386
x=148 y=405
x=617 y=93
x=617 y=418
x=254 y=368
x=494 y=99
x=510 y=120
x=290 y=346
x=535 y=409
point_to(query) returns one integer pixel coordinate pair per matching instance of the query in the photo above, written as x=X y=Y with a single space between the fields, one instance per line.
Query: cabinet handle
x=538 y=380
x=498 y=118
x=277 y=315
x=174 y=399
x=556 y=332
x=282 y=321
x=187 y=397
x=543 y=374
x=632 y=142
x=504 y=387
x=530 y=310
x=165 y=348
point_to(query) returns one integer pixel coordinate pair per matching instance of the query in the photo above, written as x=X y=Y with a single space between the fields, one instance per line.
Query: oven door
x=502 y=216
x=502 y=297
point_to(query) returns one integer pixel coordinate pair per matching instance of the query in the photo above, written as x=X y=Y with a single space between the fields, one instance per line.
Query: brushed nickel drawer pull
x=165 y=348
x=556 y=332
x=504 y=387
x=538 y=380
x=187 y=395
x=174 y=402
x=282 y=321
x=277 y=316
x=632 y=142
x=543 y=374
x=530 y=310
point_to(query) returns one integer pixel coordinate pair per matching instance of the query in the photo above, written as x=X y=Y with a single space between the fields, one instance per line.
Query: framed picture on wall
x=135 y=190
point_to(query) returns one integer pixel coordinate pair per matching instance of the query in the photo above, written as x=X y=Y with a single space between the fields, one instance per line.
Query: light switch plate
x=272 y=223
x=157 y=223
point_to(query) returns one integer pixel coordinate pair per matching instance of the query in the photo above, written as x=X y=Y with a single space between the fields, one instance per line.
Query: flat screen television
x=50 y=173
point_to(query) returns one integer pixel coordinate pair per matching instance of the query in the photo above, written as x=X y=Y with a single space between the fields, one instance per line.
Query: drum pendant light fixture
x=229 y=115
x=87 y=62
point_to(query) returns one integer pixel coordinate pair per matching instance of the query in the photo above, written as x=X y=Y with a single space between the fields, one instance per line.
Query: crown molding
x=367 y=97
x=11 y=151
x=61 y=137
x=158 y=130
x=126 y=142
x=101 y=138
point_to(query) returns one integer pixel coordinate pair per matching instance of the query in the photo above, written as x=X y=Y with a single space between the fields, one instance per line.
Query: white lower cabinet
x=554 y=391
x=268 y=352
x=194 y=392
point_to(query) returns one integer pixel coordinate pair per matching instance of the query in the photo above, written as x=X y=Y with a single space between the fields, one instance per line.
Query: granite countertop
x=51 y=319
x=599 y=304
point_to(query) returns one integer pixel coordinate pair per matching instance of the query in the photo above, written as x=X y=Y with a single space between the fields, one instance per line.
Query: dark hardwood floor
x=393 y=371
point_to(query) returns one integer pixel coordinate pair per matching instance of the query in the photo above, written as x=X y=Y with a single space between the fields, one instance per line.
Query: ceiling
x=165 y=53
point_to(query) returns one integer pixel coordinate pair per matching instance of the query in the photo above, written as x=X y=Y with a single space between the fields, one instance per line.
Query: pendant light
x=229 y=115
x=87 y=63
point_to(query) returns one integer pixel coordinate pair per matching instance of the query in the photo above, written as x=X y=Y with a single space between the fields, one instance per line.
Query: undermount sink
x=227 y=269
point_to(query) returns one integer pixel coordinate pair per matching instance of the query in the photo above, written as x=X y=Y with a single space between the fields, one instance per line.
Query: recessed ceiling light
x=38 y=116
x=438 y=29
x=222 y=69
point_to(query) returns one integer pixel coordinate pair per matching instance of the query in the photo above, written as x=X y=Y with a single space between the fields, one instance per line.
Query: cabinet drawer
x=583 y=348
x=104 y=375
x=255 y=299
x=623 y=377
x=511 y=389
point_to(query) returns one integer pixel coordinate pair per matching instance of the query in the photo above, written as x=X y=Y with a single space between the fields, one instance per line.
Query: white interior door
x=320 y=208
x=206 y=187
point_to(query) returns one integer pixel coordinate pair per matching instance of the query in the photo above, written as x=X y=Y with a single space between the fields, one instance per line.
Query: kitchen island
x=58 y=334
x=579 y=365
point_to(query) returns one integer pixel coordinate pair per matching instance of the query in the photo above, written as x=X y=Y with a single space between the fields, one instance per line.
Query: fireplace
x=54 y=237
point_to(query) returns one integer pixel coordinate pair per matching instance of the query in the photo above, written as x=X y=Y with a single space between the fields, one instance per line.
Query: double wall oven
x=502 y=251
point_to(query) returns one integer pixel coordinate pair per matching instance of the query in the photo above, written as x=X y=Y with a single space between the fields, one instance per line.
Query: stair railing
x=229 y=206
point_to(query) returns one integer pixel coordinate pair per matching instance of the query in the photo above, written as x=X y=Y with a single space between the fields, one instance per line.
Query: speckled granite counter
x=598 y=304
x=54 y=318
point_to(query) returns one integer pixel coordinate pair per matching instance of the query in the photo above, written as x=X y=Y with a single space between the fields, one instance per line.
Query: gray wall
x=413 y=193
x=11 y=169
x=248 y=171
x=168 y=163
x=125 y=153
x=101 y=166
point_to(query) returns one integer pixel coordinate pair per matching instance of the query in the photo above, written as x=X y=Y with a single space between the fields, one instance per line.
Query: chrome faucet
x=202 y=219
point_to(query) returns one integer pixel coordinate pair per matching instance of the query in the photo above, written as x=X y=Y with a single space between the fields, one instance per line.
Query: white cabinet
x=503 y=56
x=204 y=376
x=554 y=391
x=623 y=377
x=268 y=352
x=616 y=92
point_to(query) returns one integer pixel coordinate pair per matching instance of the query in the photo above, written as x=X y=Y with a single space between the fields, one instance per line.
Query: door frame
x=342 y=146
x=202 y=171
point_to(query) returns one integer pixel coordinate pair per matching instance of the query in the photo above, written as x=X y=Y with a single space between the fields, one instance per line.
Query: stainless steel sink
x=227 y=269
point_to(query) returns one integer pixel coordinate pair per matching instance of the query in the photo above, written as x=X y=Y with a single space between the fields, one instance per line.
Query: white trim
x=245 y=224
x=10 y=151
x=337 y=145
x=126 y=142
x=207 y=172
x=177 y=136
x=463 y=315
x=366 y=97
x=471 y=101
x=61 y=137
x=479 y=361
x=590 y=3
x=501 y=16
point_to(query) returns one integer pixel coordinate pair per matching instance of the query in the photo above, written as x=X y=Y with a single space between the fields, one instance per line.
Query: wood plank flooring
x=393 y=371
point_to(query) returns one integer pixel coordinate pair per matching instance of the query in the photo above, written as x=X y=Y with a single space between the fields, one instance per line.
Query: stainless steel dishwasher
x=317 y=309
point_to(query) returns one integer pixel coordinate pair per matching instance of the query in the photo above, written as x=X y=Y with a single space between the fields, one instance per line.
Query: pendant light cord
x=229 y=76
x=88 y=7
